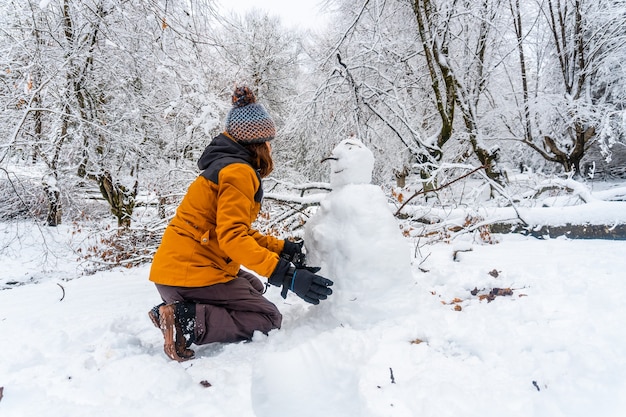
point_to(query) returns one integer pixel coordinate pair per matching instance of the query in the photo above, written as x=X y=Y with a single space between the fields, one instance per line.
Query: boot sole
x=154 y=318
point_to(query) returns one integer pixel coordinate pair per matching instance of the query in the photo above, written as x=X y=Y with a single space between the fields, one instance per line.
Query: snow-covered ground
x=555 y=347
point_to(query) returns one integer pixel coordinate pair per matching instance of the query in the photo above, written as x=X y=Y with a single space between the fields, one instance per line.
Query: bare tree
x=107 y=97
x=408 y=92
x=256 y=49
x=458 y=82
x=369 y=86
x=561 y=121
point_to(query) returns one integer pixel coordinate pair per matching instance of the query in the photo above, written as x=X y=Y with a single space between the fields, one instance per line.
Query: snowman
x=355 y=239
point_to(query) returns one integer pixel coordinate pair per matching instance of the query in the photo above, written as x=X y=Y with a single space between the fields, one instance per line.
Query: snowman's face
x=351 y=162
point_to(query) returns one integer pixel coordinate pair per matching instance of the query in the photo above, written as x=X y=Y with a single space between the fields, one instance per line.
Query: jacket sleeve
x=235 y=204
x=269 y=242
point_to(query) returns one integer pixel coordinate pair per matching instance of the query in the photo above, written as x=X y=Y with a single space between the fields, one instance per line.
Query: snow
x=85 y=346
x=370 y=266
x=351 y=162
x=594 y=213
x=520 y=327
x=43 y=4
x=95 y=352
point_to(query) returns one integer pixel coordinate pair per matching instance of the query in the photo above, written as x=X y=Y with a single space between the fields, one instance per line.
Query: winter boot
x=177 y=322
x=154 y=315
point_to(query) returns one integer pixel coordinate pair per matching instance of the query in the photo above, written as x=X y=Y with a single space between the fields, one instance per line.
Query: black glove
x=292 y=252
x=303 y=281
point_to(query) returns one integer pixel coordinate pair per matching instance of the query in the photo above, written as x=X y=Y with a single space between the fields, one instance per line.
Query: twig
x=63 y=290
x=30 y=213
x=503 y=193
x=438 y=188
x=393 y=380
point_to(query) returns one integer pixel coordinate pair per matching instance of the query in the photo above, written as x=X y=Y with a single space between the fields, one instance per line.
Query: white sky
x=293 y=13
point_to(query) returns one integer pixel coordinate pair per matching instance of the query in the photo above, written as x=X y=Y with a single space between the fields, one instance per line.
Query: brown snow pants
x=229 y=312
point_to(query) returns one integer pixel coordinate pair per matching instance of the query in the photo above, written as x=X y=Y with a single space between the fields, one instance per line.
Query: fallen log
x=572 y=231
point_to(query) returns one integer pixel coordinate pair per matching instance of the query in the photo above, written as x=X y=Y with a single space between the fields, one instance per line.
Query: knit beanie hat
x=247 y=121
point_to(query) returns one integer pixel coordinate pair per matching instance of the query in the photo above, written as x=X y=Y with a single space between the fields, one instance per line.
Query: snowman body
x=355 y=239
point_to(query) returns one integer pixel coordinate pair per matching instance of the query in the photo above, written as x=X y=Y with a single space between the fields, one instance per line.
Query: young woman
x=196 y=269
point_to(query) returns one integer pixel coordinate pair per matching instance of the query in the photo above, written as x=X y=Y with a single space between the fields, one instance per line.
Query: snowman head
x=350 y=163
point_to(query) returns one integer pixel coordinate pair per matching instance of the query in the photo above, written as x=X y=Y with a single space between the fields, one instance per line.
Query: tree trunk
x=119 y=197
x=429 y=183
x=435 y=54
x=53 y=217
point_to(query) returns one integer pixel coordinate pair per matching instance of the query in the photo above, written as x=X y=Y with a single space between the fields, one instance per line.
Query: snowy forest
x=498 y=135
x=107 y=104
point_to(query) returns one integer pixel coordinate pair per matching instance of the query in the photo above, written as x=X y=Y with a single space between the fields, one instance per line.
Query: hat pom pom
x=243 y=96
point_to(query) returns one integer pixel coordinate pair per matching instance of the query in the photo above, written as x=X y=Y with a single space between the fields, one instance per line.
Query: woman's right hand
x=304 y=282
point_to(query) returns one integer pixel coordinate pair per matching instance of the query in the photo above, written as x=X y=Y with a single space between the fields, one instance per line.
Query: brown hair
x=261 y=157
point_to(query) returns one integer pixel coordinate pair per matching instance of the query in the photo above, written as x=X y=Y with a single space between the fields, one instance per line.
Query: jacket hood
x=222 y=147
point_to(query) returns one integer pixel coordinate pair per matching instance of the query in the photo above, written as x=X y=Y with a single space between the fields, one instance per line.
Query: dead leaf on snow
x=494 y=273
x=489 y=297
x=502 y=291
x=495 y=292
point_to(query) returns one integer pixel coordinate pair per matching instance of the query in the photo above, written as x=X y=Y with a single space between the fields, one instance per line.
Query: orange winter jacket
x=211 y=236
